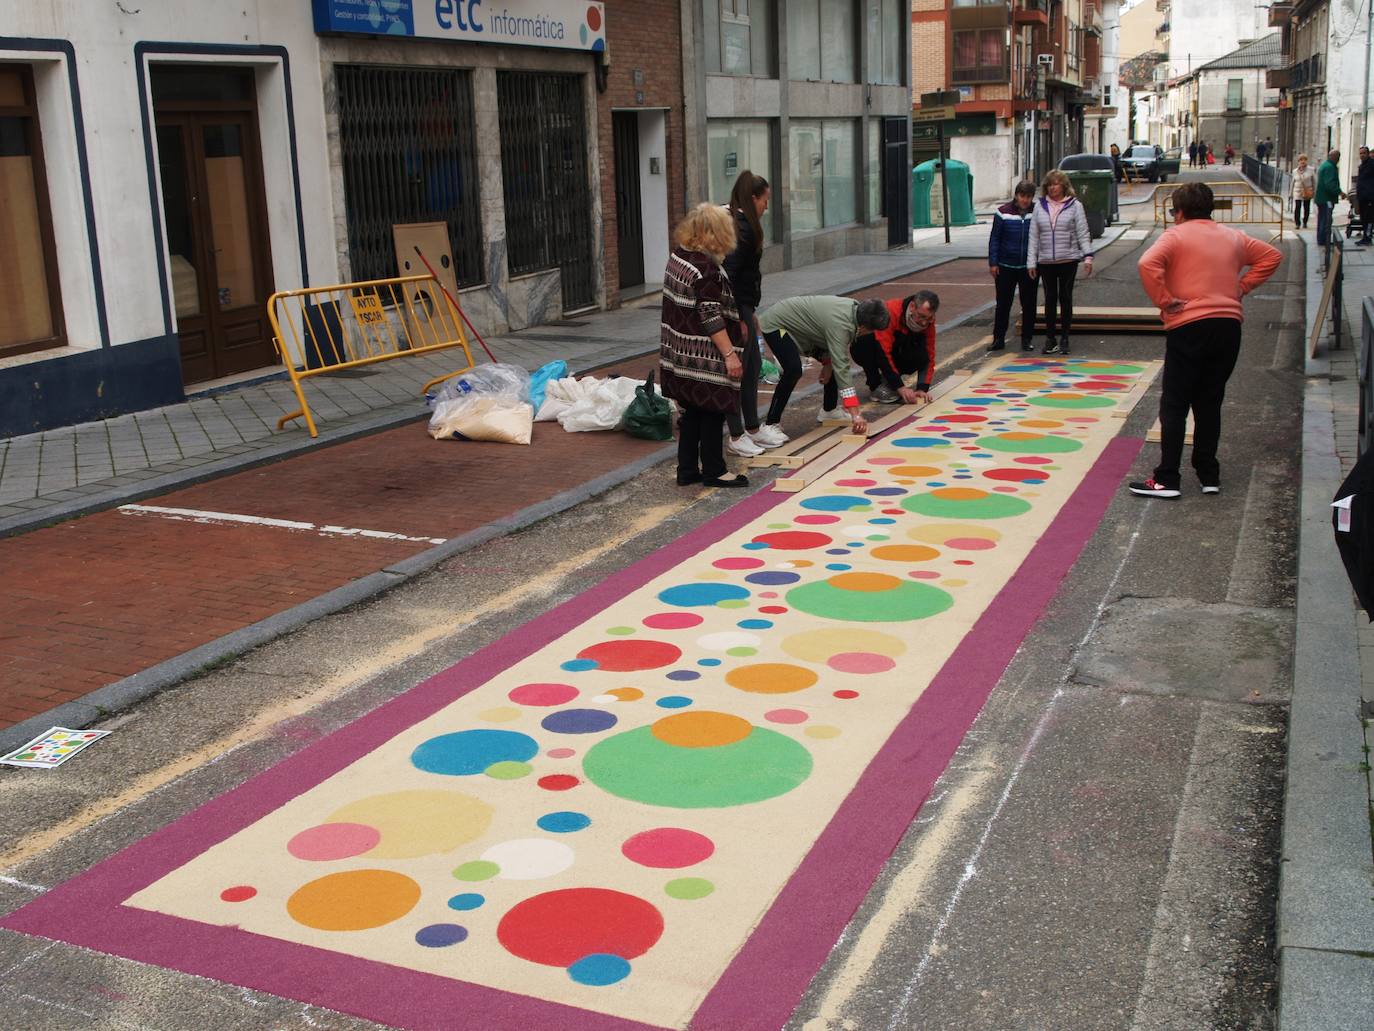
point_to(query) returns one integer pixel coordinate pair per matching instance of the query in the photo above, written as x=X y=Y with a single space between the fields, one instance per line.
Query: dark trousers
x=699 y=439
x=1365 y=206
x=746 y=416
x=1302 y=209
x=1323 y=223
x=1008 y=282
x=1198 y=359
x=877 y=369
x=1058 y=279
x=788 y=358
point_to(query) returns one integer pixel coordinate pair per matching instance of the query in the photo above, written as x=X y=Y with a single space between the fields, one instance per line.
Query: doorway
x=210 y=165
x=896 y=182
x=629 y=211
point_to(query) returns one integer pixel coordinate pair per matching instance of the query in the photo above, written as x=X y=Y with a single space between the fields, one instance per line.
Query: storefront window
x=824 y=157
x=30 y=309
x=873 y=181
x=822 y=40
x=731 y=148
x=885 y=25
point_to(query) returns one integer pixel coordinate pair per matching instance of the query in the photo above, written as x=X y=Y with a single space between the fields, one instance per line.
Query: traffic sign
x=933 y=114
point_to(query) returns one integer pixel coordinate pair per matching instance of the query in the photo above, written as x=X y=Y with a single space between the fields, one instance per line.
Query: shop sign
x=561 y=24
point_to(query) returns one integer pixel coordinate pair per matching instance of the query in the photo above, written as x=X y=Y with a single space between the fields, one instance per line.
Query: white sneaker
x=743 y=446
x=770 y=435
x=831 y=415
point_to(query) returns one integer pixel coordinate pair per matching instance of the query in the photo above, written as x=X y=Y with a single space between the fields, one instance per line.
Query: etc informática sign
x=565 y=24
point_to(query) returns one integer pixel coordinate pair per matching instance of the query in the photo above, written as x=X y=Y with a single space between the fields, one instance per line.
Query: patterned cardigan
x=697 y=301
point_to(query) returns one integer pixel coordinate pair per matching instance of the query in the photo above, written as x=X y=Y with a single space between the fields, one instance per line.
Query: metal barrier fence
x=1265 y=175
x=328 y=328
x=1235 y=203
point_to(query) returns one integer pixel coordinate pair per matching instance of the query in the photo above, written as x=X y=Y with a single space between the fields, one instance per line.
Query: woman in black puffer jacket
x=748 y=202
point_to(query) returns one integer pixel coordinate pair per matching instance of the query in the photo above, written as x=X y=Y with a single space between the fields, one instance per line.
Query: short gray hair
x=929 y=297
x=872 y=314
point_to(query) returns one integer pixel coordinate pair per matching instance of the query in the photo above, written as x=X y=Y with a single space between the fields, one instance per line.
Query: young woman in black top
x=748 y=201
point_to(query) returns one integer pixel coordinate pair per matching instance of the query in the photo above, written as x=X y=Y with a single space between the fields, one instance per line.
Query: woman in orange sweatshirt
x=1197 y=274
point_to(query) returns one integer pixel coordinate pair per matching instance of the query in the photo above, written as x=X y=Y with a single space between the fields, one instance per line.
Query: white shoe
x=770 y=435
x=831 y=415
x=743 y=446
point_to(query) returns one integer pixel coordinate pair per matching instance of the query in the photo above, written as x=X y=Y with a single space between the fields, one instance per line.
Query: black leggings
x=789 y=361
x=1058 y=279
x=1301 y=210
x=746 y=416
x=699 y=447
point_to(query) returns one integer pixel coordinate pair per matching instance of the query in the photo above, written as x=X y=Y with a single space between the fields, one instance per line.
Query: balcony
x=1279 y=15
x=1305 y=73
x=982 y=73
x=1031 y=12
x=1163 y=5
x=1092 y=17
x=983 y=16
x=1278 y=78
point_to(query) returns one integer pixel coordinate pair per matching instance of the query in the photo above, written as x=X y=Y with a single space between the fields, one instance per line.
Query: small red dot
x=773 y=610
x=239 y=893
x=894 y=511
x=963 y=561
x=558 y=782
x=846 y=694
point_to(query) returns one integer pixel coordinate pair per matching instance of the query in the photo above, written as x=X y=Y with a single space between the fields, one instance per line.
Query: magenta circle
x=542 y=694
x=667 y=848
x=816 y=519
x=737 y=563
x=856 y=482
x=970 y=544
x=1033 y=460
x=785 y=716
x=333 y=841
x=673 y=620
x=860 y=662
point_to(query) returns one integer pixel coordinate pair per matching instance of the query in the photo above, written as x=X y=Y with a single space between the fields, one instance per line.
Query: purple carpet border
x=767 y=978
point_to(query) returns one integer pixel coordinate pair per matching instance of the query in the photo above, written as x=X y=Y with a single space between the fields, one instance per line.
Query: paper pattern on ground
x=605 y=822
x=53 y=748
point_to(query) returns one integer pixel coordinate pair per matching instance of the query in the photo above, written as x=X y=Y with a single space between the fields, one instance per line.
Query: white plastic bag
x=562 y=394
x=604 y=409
x=482 y=417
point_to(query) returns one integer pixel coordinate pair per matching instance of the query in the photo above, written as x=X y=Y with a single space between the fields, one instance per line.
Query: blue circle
x=467 y=900
x=855 y=544
x=885 y=492
x=935 y=483
x=564 y=822
x=834 y=503
x=437 y=936
x=754 y=546
x=837 y=551
x=599 y=45
x=980 y=454
x=578 y=721
x=674 y=701
x=772 y=579
x=883 y=521
x=683 y=674
x=839 y=566
x=958 y=434
x=1011 y=394
x=690 y=595
x=469 y=752
x=1033 y=483
x=754 y=624
x=920 y=442
x=600 y=968
x=708 y=662
x=578 y=665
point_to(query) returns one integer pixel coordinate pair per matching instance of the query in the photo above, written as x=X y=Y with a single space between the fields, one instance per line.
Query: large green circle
x=1106 y=370
x=1085 y=401
x=1039 y=445
x=637 y=766
x=903 y=603
x=994 y=506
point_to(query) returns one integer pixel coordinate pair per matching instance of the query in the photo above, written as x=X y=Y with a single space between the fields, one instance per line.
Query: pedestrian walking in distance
x=1192 y=154
x=748 y=201
x=1058 y=241
x=1327 y=194
x=1304 y=186
x=1364 y=195
x=1197 y=273
x=700 y=334
x=1008 y=242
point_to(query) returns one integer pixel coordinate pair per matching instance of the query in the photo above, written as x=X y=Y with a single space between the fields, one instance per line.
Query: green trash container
x=927 y=199
x=1094 y=189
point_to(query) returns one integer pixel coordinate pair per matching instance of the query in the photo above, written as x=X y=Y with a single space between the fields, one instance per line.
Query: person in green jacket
x=1328 y=192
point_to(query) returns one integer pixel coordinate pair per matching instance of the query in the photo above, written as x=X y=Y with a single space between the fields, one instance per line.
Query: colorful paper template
x=53 y=748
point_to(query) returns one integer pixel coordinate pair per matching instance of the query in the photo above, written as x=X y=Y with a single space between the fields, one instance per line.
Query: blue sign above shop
x=564 y=24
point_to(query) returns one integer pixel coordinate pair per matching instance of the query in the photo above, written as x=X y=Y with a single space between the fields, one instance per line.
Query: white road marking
x=22 y=884
x=233 y=518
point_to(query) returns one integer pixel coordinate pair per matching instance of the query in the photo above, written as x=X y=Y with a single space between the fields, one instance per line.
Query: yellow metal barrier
x=328 y=328
x=1235 y=202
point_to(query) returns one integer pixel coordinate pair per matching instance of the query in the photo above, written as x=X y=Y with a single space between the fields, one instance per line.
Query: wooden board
x=844 y=448
x=1132 y=397
x=1110 y=319
x=1319 y=323
x=1154 y=435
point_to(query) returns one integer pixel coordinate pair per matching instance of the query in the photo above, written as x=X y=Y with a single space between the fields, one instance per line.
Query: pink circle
x=970 y=544
x=785 y=716
x=673 y=620
x=1005 y=490
x=1033 y=460
x=560 y=753
x=815 y=520
x=924 y=574
x=667 y=848
x=737 y=563
x=333 y=841
x=872 y=461
x=860 y=662
x=768 y=594
x=1080 y=418
x=859 y=482
x=542 y=694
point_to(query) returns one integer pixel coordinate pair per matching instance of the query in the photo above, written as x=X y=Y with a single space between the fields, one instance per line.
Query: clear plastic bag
x=496 y=379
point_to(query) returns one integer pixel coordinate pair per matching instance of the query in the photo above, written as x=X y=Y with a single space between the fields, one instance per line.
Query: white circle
x=727 y=640
x=528 y=859
x=856 y=532
x=605 y=699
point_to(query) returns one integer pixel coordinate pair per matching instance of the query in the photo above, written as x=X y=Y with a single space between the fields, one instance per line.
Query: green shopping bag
x=650 y=415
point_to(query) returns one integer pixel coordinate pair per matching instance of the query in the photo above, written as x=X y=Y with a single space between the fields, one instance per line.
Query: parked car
x=1150 y=162
x=1098 y=163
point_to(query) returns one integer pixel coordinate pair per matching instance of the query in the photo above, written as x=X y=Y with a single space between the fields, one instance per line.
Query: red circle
x=1034 y=460
x=737 y=563
x=773 y=610
x=238 y=893
x=1100 y=384
x=894 y=511
x=629 y=656
x=963 y=561
x=962 y=418
x=558 y=782
x=794 y=540
x=667 y=848
x=558 y=928
x=846 y=694
x=672 y=620
x=593 y=18
x=542 y=694
x=1016 y=475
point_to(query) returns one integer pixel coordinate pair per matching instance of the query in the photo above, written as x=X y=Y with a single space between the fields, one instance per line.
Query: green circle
x=477 y=870
x=620 y=631
x=1111 y=370
x=779 y=526
x=1045 y=444
x=994 y=506
x=638 y=766
x=1086 y=401
x=741 y=652
x=877 y=537
x=732 y=603
x=508 y=770
x=904 y=602
x=689 y=888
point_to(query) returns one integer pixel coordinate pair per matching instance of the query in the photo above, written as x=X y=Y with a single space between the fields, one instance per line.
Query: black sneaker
x=1064 y=344
x=997 y=345
x=1027 y=345
x=1211 y=488
x=1151 y=489
x=1051 y=346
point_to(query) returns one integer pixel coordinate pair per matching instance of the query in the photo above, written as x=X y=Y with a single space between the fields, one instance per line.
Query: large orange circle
x=864 y=582
x=914 y=470
x=353 y=900
x=701 y=729
x=771 y=678
x=905 y=553
x=959 y=494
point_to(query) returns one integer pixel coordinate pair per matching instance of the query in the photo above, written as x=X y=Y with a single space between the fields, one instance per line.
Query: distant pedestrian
x=1203 y=152
x=1328 y=192
x=1364 y=194
x=1259 y=150
x=1230 y=154
x=1267 y=154
x=748 y=202
x=1192 y=154
x=1116 y=163
x=1304 y=185
x=1059 y=240
x=1194 y=274
x=1008 y=242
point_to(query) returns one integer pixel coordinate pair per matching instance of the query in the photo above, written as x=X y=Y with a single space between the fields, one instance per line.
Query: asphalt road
x=1100 y=854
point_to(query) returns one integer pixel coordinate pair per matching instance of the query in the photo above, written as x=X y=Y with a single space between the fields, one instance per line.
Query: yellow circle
x=866 y=582
x=914 y=470
x=822 y=731
x=417 y=823
x=353 y=900
x=819 y=645
x=905 y=553
x=938 y=533
x=954 y=582
x=501 y=714
x=771 y=678
x=1041 y=424
x=701 y=729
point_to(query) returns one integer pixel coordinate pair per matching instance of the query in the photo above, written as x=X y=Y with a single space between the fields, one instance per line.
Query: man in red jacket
x=904 y=353
x=1197 y=273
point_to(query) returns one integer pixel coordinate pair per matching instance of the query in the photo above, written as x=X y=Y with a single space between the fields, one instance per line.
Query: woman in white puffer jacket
x=1059 y=240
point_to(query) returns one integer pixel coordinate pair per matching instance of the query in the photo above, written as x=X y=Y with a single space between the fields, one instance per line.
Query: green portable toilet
x=927 y=200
